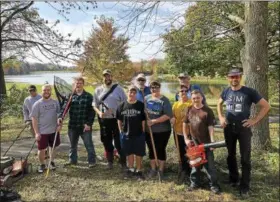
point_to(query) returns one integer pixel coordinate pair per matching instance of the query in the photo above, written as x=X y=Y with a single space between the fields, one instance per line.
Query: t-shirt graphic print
x=239 y=102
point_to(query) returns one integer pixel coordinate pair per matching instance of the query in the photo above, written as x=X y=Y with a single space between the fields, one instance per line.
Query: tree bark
x=255 y=64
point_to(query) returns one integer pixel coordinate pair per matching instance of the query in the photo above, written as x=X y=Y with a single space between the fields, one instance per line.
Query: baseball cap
x=107 y=71
x=234 y=72
x=31 y=87
x=140 y=76
x=183 y=75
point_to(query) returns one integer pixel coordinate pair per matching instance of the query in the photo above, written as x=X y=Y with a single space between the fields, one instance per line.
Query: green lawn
x=78 y=183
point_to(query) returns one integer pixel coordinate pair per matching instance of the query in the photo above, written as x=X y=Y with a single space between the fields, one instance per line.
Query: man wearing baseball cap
x=106 y=100
x=142 y=89
x=237 y=126
x=27 y=106
x=184 y=79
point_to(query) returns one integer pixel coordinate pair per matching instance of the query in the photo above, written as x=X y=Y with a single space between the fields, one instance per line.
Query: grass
x=195 y=79
x=78 y=183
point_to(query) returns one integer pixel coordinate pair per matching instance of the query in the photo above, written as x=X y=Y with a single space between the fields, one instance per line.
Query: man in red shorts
x=44 y=120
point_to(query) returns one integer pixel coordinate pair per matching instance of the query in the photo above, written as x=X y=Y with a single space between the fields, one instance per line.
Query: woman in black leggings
x=159 y=113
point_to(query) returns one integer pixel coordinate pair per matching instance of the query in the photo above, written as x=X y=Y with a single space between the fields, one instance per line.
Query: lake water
x=42 y=77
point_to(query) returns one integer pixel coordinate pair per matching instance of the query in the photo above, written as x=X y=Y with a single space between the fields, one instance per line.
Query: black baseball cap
x=32 y=87
x=234 y=72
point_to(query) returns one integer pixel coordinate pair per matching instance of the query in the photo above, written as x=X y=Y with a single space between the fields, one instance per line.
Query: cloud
x=80 y=25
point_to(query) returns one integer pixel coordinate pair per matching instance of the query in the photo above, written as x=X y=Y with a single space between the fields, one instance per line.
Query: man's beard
x=46 y=96
x=234 y=84
x=108 y=82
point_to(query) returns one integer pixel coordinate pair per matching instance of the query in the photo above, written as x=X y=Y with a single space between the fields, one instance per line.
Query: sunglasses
x=183 y=91
x=31 y=90
x=234 y=77
x=155 y=87
x=141 y=80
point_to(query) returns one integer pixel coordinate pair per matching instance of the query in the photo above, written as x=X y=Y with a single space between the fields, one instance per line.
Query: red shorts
x=47 y=140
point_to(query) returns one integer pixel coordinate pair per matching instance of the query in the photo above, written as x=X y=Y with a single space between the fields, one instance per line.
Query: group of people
x=143 y=116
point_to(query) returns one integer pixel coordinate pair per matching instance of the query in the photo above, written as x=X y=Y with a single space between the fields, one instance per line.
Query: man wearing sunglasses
x=184 y=79
x=237 y=126
x=27 y=106
x=141 y=87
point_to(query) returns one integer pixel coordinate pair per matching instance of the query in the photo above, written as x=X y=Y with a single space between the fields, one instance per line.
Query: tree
x=23 y=33
x=196 y=47
x=105 y=50
x=255 y=62
x=227 y=20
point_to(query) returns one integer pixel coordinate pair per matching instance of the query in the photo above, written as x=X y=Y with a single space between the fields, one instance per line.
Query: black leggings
x=160 y=140
x=182 y=147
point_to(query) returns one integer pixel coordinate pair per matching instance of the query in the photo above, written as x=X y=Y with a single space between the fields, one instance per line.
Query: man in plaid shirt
x=81 y=117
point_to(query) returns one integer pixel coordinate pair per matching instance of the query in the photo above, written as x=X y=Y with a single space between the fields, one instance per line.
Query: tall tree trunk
x=255 y=64
x=2 y=80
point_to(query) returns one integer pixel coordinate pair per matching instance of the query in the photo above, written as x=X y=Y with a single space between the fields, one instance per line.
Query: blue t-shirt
x=192 y=87
x=157 y=107
x=139 y=95
x=238 y=103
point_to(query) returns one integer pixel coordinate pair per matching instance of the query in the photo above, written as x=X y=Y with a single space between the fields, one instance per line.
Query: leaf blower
x=197 y=153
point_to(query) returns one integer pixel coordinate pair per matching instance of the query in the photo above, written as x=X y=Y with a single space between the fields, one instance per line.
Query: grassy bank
x=195 y=79
x=78 y=183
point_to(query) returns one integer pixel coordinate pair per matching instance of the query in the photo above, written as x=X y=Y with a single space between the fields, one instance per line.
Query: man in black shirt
x=131 y=123
x=237 y=126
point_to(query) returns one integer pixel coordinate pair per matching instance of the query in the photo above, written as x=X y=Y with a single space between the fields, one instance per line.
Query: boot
x=110 y=157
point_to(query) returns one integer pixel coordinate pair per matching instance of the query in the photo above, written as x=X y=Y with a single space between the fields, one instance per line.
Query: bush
x=11 y=104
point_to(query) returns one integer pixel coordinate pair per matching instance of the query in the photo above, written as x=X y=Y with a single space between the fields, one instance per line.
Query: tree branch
x=208 y=38
x=13 y=14
x=233 y=18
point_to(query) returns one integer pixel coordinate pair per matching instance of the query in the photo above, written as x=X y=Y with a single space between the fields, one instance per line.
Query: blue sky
x=144 y=47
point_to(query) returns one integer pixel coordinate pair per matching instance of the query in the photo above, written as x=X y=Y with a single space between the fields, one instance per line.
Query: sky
x=146 y=46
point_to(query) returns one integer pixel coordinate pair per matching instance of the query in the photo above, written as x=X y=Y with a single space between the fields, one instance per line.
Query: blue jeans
x=210 y=171
x=74 y=135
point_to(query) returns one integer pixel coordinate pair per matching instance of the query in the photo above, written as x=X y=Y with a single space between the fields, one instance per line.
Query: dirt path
x=23 y=146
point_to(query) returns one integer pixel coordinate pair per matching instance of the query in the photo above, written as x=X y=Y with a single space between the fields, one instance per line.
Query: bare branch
x=13 y=14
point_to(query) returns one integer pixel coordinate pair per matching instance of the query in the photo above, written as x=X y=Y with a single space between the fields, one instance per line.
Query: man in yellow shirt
x=179 y=111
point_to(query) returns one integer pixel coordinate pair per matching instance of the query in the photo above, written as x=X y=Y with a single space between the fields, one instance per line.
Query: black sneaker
x=139 y=175
x=215 y=189
x=41 y=168
x=128 y=174
x=52 y=166
x=244 y=192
